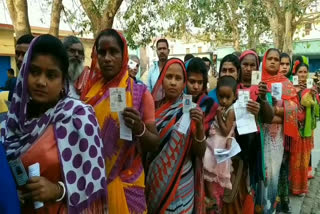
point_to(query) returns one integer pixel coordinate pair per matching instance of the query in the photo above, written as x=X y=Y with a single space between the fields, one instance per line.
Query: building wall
x=7 y=44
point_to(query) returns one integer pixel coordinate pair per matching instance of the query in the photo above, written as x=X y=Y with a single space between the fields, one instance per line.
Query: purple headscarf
x=77 y=134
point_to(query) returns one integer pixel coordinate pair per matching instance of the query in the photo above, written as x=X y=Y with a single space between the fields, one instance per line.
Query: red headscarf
x=157 y=92
x=250 y=52
x=96 y=74
x=254 y=89
x=268 y=78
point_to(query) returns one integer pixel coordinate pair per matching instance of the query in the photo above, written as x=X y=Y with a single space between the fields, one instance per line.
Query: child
x=217 y=176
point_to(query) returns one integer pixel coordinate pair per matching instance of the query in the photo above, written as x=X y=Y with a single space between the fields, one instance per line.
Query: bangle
x=61 y=185
x=142 y=133
x=200 y=141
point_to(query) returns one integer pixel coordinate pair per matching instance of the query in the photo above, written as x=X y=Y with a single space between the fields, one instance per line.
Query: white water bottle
x=34 y=170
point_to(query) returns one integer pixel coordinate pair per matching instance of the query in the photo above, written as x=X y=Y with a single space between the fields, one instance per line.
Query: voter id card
x=243 y=97
x=255 y=77
x=276 y=90
x=187 y=103
x=295 y=80
x=117 y=99
x=309 y=83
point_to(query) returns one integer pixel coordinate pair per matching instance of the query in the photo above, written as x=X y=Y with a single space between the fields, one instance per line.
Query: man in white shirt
x=154 y=72
x=75 y=52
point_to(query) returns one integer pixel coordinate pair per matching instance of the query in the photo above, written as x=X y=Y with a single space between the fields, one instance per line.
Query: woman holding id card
x=60 y=134
x=123 y=157
x=302 y=146
x=283 y=128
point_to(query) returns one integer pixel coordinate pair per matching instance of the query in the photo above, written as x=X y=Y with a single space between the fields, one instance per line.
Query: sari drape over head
x=74 y=124
x=289 y=97
x=123 y=159
x=165 y=170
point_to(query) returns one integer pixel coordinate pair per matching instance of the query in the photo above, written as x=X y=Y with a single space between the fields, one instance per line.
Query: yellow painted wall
x=7 y=44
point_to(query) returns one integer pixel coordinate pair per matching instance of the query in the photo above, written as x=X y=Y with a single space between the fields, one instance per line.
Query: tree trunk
x=236 y=39
x=101 y=19
x=18 y=10
x=55 y=17
x=289 y=31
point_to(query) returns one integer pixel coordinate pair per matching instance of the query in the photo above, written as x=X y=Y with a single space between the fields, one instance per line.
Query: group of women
x=86 y=168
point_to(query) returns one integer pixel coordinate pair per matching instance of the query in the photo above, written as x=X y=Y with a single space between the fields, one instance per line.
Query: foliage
x=219 y=20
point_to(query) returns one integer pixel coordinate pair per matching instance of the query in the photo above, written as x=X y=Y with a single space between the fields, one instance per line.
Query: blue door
x=4 y=66
x=314 y=65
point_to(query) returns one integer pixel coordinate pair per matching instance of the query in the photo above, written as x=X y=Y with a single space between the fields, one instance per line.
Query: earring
x=62 y=93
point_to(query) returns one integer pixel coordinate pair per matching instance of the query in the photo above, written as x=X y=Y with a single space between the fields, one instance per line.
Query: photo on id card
x=117 y=99
x=243 y=97
x=187 y=103
x=276 y=90
x=309 y=83
x=295 y=80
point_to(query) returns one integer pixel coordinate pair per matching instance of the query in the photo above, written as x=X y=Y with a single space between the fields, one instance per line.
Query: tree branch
x=109 y=13
x=55 y=17
x=93 y=13
x=12 y=11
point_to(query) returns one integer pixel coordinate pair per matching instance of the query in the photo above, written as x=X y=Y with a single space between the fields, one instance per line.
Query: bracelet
x=144 y=131
x=61 y=185
x=200 y=141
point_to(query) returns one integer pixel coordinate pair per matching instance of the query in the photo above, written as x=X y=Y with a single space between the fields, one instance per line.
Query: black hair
x=113 y=33
x=206 y=59
x=164 y=41
x=229 y=82
x=70 y=40
x=187 y=57
x=197 y=65
x=234 y=60
x=49 y=45
x=134 y=57
x=25 y=39
x=302 y=64
x=237 y=53
x=285 y=55
x=11 y=71
x=274 y=49
x=299 y=58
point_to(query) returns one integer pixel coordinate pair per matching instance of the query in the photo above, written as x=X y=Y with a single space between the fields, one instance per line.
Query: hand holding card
x=34 y=170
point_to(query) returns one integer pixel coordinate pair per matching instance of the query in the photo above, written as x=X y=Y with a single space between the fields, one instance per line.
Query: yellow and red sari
x=126 y=178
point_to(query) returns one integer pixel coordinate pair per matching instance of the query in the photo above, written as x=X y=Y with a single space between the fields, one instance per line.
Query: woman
x=285 y=65
x=302 y=146
x=123 y=157
x=172 y=185
x=281 y=131
x=60 y=133
x=283 y=185
x=250 y=160
x=229 y=66
x=197 y=78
